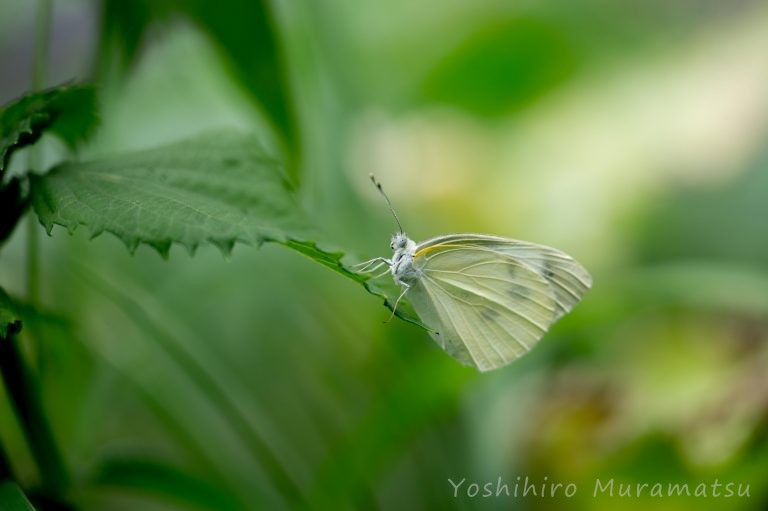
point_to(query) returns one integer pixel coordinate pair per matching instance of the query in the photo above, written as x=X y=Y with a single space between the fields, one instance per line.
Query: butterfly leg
x=364 y=263
x=366 y=266
x=405 y=290
x=374 y=268
x=386 y=271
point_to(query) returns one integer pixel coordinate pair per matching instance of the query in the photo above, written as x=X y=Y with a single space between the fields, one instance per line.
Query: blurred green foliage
x=502 y=67
x=68 y=112
x=13 y=498
x=243 y=30
x=9 y=318
x=704 y=214
x=631 y=135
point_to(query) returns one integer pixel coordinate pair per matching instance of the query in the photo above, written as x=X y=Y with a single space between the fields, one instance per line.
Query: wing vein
x=488 y=277
x=485 y=339
x=541 y=329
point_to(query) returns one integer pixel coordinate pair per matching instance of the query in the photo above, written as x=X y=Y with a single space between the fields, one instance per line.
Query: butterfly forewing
x=486 y=307
x=566 y=276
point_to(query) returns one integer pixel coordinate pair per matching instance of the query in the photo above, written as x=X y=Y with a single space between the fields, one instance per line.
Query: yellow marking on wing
x=430 y=248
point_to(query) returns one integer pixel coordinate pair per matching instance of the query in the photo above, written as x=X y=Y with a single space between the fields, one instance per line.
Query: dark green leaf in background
x=10 y=323
x=13 y=203
x=244 y=31
x=123 y=24
x=158 y=478
x=67 y=111
x=13 y=499
x=502 y=67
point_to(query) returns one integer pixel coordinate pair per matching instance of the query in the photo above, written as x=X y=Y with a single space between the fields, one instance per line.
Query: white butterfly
x=487 y=299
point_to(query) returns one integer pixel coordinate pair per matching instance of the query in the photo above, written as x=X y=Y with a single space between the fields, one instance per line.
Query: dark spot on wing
x=517 y=292
x=489 y=314
x=548 y=273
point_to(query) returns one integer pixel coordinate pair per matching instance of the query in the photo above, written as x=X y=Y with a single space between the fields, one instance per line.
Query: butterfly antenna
x=389 y=203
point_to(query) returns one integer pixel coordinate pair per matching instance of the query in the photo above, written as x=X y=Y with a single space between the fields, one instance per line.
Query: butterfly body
x=486 y=300
x=401 y=265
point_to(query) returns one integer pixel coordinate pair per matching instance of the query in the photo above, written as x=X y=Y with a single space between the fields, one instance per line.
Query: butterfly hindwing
x=487 y=307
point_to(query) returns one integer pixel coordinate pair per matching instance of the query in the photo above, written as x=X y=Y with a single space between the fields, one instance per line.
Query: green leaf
x=123 y=25
x=66 y=111
x=155 y=477
x=13 y=499
x=10 y=323
x=502 y=67
x=246 y=32
x=243 y=30
x=215 y=189
x=385 y=289
x=219 y=188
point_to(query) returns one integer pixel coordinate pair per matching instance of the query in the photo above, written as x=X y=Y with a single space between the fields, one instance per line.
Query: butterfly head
x=402 y=243
x=399 y=241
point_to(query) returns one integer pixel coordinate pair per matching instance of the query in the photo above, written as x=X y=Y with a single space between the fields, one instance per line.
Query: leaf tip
x=225 y=246
x=163 y=247
x=131 y=244
x=191 y=248
x=47 y=225
x=95 y=232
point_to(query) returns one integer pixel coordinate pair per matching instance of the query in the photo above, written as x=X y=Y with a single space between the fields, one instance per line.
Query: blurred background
x=631 y=135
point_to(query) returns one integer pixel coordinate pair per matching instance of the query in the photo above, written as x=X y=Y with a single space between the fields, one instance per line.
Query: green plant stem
x=42 y=43
x=24 y=392
x=40 y=64
x=33 y=260
x=21 y=383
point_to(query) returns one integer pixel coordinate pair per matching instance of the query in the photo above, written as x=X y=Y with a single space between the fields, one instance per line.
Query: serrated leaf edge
x=226 y=245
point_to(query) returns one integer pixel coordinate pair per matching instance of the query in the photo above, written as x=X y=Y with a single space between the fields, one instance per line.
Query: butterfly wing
x=489 y=299
x=568 y=279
